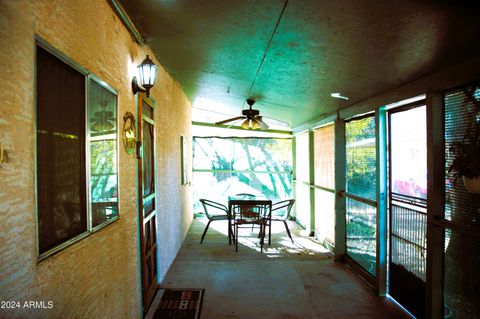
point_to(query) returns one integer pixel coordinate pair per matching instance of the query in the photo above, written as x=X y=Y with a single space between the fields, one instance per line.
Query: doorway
x=407 y=206
x=146 y=194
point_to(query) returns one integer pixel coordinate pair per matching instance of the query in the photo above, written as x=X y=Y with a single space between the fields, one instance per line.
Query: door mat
x=182 y=303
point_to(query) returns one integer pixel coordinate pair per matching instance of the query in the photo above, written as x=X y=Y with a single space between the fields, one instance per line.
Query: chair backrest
x=212 y=208
x=281 y=210
x=250 y=213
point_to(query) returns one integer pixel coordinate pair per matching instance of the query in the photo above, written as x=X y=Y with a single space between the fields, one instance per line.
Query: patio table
x=249 y=201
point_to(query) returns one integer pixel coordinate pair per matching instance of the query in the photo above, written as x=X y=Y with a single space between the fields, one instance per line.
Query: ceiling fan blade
x=276 y=122
x=229 y=120
x=261 y=123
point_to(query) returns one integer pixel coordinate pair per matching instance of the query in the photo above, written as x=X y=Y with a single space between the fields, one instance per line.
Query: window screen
x=324 y=159
x=302 y=166
x=324 y=154
x=361 y=234
x=302 y=174
x=462 y=250
x=462 y=146
x=461 y=280
x=361 y=157
x=61 y=170
x=361 y=181
x=325 y=215
x=231 y=165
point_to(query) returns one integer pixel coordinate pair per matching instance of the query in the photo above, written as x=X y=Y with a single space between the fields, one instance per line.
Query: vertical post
x=381 y=154
x=311 y=163
x=340 y=171
x=294 y=157
x=435 y=205
x=294 y=175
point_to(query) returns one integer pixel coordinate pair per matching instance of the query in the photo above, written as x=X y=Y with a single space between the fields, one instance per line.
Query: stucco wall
x=99 y=276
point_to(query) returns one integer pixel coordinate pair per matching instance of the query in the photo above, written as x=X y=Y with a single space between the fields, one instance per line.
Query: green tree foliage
x=103 y=168
x=361 y=157
x=245 y=157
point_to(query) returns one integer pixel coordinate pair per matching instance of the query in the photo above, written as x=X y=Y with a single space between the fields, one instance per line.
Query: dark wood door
x=146 y=189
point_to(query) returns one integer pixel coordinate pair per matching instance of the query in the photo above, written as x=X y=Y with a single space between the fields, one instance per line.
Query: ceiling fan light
x=246 y=124
x=102 y=126
x=255 y=124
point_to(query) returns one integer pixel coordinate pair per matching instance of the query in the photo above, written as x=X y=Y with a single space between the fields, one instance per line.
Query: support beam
x=340 y=171
x=435 y=204
x=294 y=177
x=232 y=127
x=311 y=162
x=381 y=137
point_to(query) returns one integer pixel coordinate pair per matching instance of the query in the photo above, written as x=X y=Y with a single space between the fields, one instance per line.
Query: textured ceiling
x=290 y=55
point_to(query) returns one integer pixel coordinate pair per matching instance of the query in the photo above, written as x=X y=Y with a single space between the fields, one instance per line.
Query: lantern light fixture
x=148 y=73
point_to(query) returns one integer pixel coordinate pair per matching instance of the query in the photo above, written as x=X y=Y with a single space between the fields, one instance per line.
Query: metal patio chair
x=281 y=211
x=214 y=211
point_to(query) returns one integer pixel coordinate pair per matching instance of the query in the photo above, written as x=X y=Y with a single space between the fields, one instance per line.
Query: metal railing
x=408 y=227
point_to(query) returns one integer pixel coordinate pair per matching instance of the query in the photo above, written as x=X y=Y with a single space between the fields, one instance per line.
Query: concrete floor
x=286 y=281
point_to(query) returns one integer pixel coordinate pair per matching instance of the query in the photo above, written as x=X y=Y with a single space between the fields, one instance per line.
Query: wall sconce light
x=148 y=74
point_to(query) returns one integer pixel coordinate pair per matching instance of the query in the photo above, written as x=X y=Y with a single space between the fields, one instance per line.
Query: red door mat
x=180 y=303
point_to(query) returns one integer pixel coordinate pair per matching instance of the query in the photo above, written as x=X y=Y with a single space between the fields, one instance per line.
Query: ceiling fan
x=103 y=121
x=252 y=117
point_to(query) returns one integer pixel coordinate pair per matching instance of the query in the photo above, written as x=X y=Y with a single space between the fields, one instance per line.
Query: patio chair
x=281 y=212
x=246 y=215
x=214 y=211
x=245 y=194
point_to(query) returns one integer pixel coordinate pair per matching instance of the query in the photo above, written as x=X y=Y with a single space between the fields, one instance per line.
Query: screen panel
x=233 y=165
x=361 y=234
x=361 y=157
x=325 y=215
x=302 y=167
x=462 y=147
x=324 y=154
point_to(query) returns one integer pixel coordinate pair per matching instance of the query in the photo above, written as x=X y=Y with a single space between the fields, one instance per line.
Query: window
x=102 y=139
x=232 y=165
x=76 y=153
x=183 y=161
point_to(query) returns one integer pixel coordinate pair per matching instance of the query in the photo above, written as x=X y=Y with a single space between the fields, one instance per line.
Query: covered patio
x=119 y=116
x=287 y=280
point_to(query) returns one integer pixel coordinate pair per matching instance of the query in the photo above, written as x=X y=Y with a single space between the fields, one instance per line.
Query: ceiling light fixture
x=148 y=74
x=252 y=117
x=246 y=124
x=255 y=124
x=338 y=96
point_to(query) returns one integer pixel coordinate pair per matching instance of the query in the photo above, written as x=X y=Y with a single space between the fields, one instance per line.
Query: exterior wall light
x=148 y=74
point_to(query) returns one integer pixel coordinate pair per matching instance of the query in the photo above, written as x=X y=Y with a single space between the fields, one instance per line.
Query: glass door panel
x=408 y=207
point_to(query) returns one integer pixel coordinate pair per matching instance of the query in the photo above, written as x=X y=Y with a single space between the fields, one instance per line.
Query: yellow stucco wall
x=99 y=276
